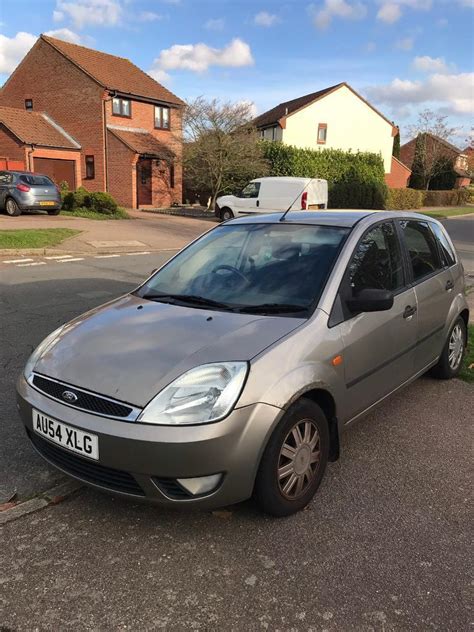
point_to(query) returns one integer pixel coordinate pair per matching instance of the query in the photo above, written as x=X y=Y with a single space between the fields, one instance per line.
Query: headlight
x=40 y=349
x=201 y=395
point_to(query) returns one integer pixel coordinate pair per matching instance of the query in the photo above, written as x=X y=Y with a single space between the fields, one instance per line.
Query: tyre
x=12 y=208
x=226 y=214
x=55 y=211
x=294 y=461
x=452 y=356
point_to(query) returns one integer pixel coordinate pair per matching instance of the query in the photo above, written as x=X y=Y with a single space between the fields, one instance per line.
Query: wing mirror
x=371 y=300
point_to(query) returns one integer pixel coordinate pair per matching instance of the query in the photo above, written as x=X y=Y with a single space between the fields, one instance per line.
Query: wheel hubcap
x=456 y=347
x=299 y=459
x=10 y=207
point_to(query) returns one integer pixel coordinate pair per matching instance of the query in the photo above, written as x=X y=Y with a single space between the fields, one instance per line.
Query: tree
x=432 y=159
x=221 y=149
x=396 y=144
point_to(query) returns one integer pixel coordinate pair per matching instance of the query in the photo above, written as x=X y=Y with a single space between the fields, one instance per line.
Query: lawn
x=88 y=213
x=447 y=212
x=467 y=374
x=35 y=238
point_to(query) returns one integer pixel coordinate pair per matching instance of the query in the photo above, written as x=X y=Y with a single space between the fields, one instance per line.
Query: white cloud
x=148 y=16
x=406 y=43
x=336 y=9
x=215 y=24
x=89 y=12
x=431 y=64
x=265 y=19
x=65 y=34
x=389 y=13
x=199 y=57
x=13 y=49
x=453 y=91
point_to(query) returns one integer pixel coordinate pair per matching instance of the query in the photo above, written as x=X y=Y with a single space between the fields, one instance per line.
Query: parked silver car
x=232 y=371
x=26 y=191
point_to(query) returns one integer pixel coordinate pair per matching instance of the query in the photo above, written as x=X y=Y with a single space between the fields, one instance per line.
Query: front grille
x=85 y=400
x=171 y=488
x=89 y=471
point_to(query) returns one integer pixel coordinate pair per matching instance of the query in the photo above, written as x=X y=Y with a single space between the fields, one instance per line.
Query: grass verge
x=467 y=371
x=448 y=212
x=88 y=213
x=35 y=238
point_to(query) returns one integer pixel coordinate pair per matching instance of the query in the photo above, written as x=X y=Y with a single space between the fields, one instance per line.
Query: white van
x=266 y=195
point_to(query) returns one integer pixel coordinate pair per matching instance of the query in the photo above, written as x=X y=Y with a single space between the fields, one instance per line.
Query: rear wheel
x=450 y=361
x=294 y=460
x=54 y=211
x=12 y=208
x=226 y=214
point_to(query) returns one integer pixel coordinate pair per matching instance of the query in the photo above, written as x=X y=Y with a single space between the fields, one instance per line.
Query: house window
x=322 y=133
x=90 y=168
x=28 y=104
x=162 y=117
x=171 y=175
x=121 y=107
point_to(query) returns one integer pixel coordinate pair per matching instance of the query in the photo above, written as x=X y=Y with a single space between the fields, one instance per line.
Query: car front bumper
x=143 y=461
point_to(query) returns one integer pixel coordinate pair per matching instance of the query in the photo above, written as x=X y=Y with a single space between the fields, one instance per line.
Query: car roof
x=343 y=218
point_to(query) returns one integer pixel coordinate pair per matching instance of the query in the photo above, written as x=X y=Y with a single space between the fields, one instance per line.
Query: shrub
x=101 y=202
x=75 y=199
x=454 y=197
x=356 y=180
x=403 y=199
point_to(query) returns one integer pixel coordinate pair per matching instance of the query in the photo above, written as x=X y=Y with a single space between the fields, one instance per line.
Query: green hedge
x=97 y=201
x=403 y=199
x=454 y=197
x=356 y=180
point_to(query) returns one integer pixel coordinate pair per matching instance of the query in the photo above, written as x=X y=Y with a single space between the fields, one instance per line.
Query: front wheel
x=12 y=208
x=226 y=214
x=452 y=356
x=294 y=461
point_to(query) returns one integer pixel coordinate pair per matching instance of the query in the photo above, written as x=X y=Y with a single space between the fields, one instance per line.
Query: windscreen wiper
x=273 y=308
x=185 y=298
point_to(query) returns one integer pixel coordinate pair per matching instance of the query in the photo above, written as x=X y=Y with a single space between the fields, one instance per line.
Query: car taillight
x=23 y=187
x=304 y=201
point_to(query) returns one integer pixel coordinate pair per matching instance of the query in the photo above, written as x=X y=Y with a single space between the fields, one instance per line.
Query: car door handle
x=409 y=311
x=449 y=286
x=257 y=203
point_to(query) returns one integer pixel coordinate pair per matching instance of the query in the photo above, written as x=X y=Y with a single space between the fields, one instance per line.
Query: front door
x=378 y=346
x=144 y=181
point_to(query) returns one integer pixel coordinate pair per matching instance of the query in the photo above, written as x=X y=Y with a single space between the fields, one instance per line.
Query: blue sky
x=403 y=55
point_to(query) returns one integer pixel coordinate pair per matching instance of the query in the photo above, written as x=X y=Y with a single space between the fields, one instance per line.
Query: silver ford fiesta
x=232 y=371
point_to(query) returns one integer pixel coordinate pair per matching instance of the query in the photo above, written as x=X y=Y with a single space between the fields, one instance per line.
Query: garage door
x=58 y=170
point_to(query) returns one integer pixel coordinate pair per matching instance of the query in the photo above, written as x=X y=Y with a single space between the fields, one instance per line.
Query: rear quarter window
x=5 y=178
x=447 y=254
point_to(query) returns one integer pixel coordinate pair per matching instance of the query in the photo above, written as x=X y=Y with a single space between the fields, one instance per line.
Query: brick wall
x=68 y=95
x=399 y=175
x=10 y=148
x=407 y=152
x=122 y=173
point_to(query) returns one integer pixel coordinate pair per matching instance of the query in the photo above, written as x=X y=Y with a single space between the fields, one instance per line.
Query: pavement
x=381 y=547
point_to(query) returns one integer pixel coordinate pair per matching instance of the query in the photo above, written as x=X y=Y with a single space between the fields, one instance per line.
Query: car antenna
x=282 y=218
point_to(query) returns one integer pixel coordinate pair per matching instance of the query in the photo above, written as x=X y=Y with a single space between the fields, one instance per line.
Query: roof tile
x=142 y=142
x=35 y=128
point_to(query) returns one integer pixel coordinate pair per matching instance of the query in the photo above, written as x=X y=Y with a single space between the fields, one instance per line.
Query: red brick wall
x=398 y=176
x=68 y=95
x=10 y=148
x=122 y=173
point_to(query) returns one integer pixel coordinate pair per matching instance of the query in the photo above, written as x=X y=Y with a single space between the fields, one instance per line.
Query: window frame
x=28 y=107
x=121 y=114
x=339 y=312
x=452 y=250
x=248 y=197
x=88 y=163
x=322 y=126
x=161 y=126
x=409 y=266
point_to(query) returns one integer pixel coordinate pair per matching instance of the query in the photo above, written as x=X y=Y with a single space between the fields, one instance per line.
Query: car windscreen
x=34 y=180
x=271 y=268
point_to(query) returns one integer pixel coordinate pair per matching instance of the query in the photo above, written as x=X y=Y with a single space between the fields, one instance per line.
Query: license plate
x=66 y=436
x=47 y=203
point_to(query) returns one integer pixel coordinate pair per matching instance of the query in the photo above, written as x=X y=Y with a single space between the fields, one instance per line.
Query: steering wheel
x=231 y=269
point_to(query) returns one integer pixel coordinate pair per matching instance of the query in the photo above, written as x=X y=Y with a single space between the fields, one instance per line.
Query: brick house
x=95 y=120
x=440 y=148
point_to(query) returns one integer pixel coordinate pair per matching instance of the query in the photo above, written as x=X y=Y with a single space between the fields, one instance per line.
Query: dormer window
x=28 y=104
x=162 y=117
x=121 y=107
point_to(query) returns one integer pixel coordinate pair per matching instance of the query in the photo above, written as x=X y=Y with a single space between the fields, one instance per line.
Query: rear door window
x=422 y=248
x=447 y=254
x=33 y=180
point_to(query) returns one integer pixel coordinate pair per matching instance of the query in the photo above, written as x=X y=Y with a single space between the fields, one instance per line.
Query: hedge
x=356 y=180
x=403 y=199
x=454 y=197
x=96 y=201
